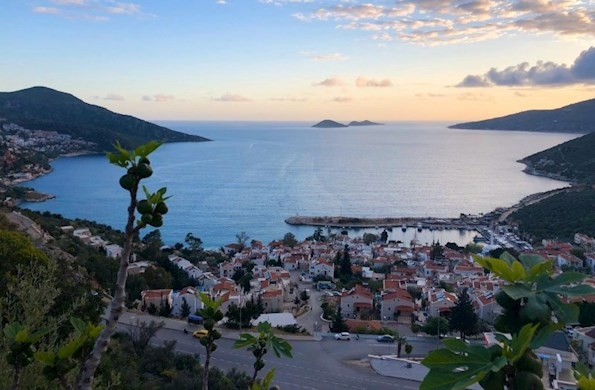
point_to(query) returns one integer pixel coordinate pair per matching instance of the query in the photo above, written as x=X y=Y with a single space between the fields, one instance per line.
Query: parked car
x=343 y=336
x=199 y=334
x=385 y=338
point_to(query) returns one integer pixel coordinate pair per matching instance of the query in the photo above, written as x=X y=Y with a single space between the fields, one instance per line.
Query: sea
x=254 y=175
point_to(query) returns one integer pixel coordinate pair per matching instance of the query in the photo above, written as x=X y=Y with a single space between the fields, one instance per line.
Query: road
x=327 y=364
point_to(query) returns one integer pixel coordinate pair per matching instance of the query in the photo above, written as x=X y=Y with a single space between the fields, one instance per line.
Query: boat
x=404 y=228
x=419 y=227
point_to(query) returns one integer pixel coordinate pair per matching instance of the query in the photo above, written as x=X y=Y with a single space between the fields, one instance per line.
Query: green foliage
x=560 y=215
x=370 y=238
x=434 y=325
x=346 y=262
x=211 y=313
x=193 y=242
x=530 y=297
x=289 y=240
x=259 y=346
x=462 y=316
x=338 y=325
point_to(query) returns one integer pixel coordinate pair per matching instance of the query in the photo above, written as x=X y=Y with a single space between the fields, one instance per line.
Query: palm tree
x=400 y=340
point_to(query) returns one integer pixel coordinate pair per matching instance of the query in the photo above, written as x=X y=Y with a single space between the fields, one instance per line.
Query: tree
x=151 y=209
x=289 y=240
x=194 y=243
x=434 y=325
x=586 y=316
x=260 y=344
x=400 y=340
x=346 y=262
x=408 y=349
x=304 y=296
x=532 y=293
x=211 y=314
x=462 y=316
x=242 y=238
x=185 y=308
x=369 y=238
x=437 y=252
x=338 y=325
x=384 y=236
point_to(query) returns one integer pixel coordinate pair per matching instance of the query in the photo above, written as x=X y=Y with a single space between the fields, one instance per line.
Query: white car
x=343 y=336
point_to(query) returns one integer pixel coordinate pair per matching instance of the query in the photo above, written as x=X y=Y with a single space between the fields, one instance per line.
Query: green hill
x=575 y=118
x=41 y=108
x=572 y=161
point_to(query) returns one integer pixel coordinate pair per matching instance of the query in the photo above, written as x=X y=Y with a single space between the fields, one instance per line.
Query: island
x=364 y=123
x=327 y=124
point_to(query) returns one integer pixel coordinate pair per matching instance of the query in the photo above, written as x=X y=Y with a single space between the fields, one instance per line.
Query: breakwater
x=464 y=222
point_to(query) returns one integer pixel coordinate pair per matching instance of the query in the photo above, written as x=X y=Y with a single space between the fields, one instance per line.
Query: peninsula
x=574 y=118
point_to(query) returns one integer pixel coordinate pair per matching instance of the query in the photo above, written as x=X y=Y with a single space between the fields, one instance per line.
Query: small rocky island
x=327 y=123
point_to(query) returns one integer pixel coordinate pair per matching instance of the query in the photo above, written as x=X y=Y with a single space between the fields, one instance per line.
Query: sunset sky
x=304 y=59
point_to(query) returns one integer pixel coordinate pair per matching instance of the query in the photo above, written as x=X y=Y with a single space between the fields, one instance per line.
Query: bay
x=253 y=175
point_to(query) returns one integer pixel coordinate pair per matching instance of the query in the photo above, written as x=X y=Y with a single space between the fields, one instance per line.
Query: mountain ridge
x=43 y=108
x=573 y=118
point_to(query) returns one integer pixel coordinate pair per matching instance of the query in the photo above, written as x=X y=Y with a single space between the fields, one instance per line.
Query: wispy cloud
x=98 y=10
x=433 y=22
x=330 y=82
x=324 y=57
x=289 y=99
x=543 y=73
x=230 y=97
x=159 y=98
x=113 y=96
x=46 y=10
x=363 y=82
x=342 y=99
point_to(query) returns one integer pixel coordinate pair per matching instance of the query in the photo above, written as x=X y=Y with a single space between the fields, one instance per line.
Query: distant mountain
x=327 y=123
x=364 y=123
x=572 y=161
x=41 y=108
x=575 y=118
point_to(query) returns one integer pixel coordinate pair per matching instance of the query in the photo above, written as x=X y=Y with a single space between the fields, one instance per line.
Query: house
x=395 y=303
x=321 y=267
x=188 y=295
x=113 y=251
x=431 y=269
x=156 y=297
x=486 y=306
x=569 y=260
x=440 y=302
x=558 y=360
x=467 y=268
x=272 y=298
x=585 y=337
x=137 y=267
x=358 y=299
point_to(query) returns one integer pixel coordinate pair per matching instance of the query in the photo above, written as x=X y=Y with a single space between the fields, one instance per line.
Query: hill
x=561 y=215
x=41 y=108
x=327 y=123
x=570 y=161
x=574 y=118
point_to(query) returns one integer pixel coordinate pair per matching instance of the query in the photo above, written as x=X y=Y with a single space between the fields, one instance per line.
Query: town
x=343 y=287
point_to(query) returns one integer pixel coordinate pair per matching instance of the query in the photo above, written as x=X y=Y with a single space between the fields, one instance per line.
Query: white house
x=321 y=267
x=113 y=250
x=188 y=295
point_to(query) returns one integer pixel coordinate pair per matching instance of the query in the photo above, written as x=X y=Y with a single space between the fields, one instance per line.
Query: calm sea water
x=254 y=175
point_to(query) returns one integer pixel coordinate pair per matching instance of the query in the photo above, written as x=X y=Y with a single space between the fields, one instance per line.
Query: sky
x=304 y=60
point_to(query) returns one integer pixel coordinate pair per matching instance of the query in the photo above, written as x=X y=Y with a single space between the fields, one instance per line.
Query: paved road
x=321 y=365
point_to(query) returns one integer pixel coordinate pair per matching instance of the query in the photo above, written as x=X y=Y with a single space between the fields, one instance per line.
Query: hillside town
x=391 y=286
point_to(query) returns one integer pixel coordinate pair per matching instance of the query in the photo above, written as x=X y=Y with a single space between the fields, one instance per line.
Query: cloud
x=331 y=82
x=125 y=8
x=289 y=99
x=582 y=71
x=364 y=82
x=435 y=22
x=159 y=98
x=113 y=96
x=46 y=10
x=230 y=97
x=475 y=97
x=342 y=99
x=324 y=57
x=97 y=10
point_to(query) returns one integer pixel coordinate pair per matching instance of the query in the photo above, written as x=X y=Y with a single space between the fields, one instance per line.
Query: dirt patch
x=361 y=363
